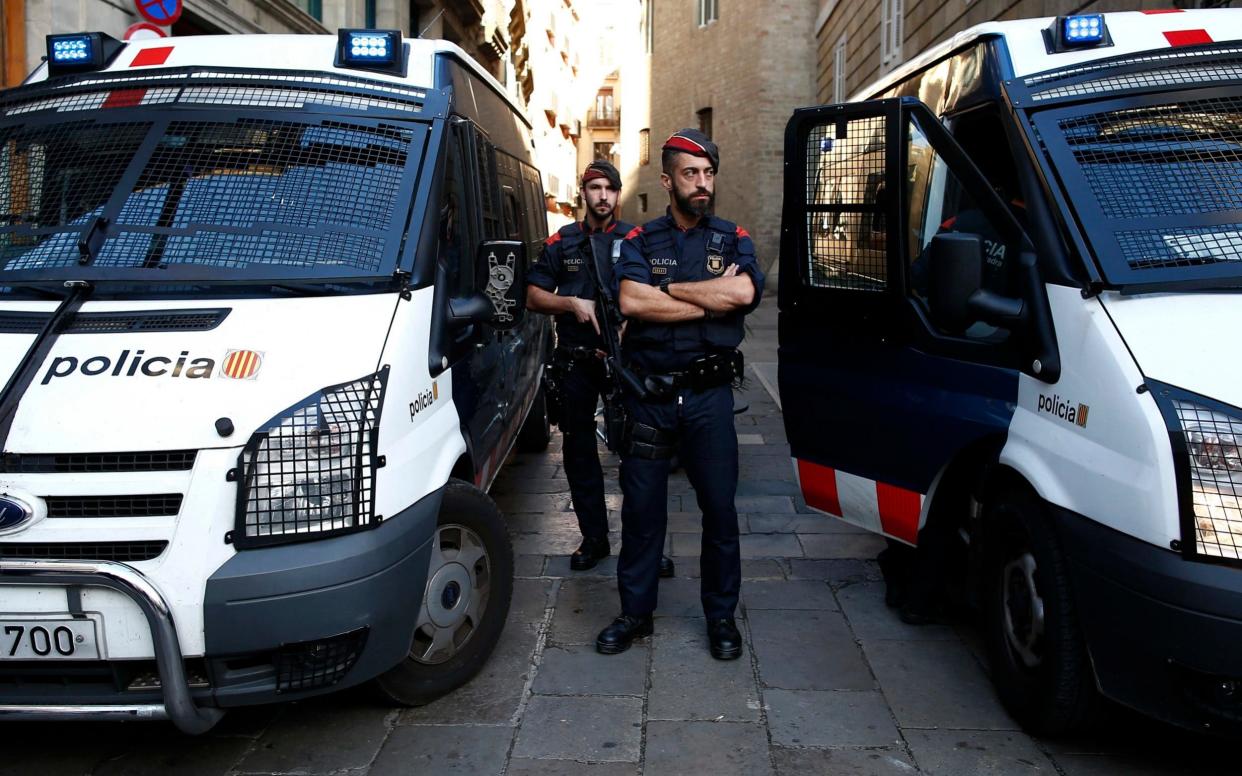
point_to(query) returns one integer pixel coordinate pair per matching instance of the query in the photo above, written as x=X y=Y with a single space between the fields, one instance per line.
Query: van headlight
x=309 y=473
x=1213 y=454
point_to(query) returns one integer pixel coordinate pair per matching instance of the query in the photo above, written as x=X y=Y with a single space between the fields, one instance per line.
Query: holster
x=715 y=369
x=649 y=442
x=554 y=390
x=614 y=422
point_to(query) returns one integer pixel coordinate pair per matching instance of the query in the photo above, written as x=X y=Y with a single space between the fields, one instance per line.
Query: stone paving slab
x=808 y=651
x=977 y=753
x=707 y=748
x=840 y=545
x=802 y=524
x=521 y=766
x=589 y=729
x=439 y=749
x=836 y=572
x=687 y=684
x=296 y=743
x=782 y=594
x=836 y=718
x=936 y=684
x=870 y=619
x=580 y=670
x=842 y=762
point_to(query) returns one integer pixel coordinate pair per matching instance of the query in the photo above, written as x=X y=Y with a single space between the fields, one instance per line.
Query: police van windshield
x=201 y=195
x=1157 y=185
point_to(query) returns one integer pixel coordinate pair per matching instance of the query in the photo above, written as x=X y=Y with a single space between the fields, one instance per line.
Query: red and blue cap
x=695 y=143
x=602 y=169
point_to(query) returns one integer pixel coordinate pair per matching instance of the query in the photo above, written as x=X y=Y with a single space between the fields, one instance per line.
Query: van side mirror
x=502 y=274
x=955 y=298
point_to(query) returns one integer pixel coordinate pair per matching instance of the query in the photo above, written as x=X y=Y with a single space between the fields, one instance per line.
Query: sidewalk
x=830 y=683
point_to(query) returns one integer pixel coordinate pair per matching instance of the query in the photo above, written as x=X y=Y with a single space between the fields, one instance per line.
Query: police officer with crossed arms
x=685 y=283
x=575 y=262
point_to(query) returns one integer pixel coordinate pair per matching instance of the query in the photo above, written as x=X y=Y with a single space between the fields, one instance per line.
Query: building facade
x=861 y=40
x=735 y=69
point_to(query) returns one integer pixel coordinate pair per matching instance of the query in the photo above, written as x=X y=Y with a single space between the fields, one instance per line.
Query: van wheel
x=464 y=604
x=536 y=432
x=1036 y=649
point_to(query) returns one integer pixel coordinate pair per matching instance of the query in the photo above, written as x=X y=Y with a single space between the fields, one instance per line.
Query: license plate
x=66 y=639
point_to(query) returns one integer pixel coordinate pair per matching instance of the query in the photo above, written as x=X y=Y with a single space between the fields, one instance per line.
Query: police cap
x=695 y=143
x=602 y=169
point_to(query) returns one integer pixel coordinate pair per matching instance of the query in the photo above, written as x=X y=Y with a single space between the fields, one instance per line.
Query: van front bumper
x=1163 y=632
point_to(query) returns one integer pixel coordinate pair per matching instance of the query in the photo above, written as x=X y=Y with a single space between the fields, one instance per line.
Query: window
x=892 y=30
x=644 y=147
x=604 y=152
x=648 y=26
x=642 y=203
x=705 y=122
x=838 y=71
x=709 y=11
x=604 y=108
x=313 y=8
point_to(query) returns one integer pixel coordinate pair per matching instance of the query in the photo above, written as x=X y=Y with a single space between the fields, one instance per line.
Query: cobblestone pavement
x=831 y=682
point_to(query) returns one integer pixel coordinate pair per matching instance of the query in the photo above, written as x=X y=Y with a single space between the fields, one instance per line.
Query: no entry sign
x=161 y=12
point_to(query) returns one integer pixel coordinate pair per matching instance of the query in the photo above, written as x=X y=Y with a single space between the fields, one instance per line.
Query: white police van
x=1009 y=306
x=263 y=340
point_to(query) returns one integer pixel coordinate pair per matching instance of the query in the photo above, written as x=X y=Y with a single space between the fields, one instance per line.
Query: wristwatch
x=664 y=287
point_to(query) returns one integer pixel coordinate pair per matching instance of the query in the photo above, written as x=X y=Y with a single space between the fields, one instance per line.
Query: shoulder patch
x=634 y=233
x=742 y=233
x=553 y=239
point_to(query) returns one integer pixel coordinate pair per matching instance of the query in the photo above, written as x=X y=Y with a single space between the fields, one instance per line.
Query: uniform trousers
x=583 y=382
x=707 y=448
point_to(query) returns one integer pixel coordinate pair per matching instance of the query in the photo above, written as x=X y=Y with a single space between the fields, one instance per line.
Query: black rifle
x=619 y=378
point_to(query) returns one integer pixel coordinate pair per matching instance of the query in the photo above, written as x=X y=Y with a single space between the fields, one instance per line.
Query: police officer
x=576 y=260
x=685 y=283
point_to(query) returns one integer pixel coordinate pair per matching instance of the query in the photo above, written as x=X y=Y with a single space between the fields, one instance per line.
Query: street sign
x=161 y=12
x=144 y=31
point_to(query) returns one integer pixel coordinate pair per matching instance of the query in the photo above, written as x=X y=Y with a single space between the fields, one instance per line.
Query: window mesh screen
x=54 y=180
x=1212 y=442
x=1168 y=68
x=263 y=192
x=1169 y=161
x=313 y=470
x=846 y=231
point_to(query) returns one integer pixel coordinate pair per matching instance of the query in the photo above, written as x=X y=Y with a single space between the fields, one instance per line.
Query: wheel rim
x=455 y=599
x=1024 y=610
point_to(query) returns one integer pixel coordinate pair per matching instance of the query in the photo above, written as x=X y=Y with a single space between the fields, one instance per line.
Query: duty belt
x=705 y=372
x=578 y=353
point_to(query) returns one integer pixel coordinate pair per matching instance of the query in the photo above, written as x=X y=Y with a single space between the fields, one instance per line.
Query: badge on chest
x=715 y=263
x=663 y=266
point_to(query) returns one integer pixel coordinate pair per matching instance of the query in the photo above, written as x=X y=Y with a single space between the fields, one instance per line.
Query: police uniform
x=563 y=268
x=698 y=423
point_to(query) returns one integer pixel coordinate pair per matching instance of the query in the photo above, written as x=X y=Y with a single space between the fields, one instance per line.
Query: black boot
x=724 y=638
x=616 y=638
x=667 y=570
x=589 y=553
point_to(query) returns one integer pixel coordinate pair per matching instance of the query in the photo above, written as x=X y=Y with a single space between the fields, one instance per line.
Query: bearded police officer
x=576 y=261
x=685 y=283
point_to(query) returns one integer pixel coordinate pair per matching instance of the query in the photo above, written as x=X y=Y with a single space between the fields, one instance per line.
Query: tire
x=452 y=641
x=536 y=432
x=1040 y=665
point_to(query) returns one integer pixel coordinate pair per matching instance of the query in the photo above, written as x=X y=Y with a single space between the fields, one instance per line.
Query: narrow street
x=831 y=681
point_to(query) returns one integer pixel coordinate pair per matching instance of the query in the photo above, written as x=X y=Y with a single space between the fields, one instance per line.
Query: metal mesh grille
x=164 y=320
x=118 y=551
x=321 y=663
x=312 y=471
x=846 y=232
x=1165 y=162
x=154 y=505
x=1212 y=443
x=23 y=323
x=74 y=463
x=267 y=192
x=1172 y=68
x=54 y=180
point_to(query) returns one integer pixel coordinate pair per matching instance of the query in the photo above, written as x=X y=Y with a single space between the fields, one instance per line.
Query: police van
x=264 y=349
x=1009 y=303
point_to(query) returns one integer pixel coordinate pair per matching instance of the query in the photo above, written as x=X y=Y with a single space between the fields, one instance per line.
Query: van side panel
x=1091 y=443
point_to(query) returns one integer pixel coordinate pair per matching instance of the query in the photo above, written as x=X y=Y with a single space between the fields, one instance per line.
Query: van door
x=877 y=398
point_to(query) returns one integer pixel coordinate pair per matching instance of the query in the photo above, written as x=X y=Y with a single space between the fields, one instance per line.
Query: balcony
x=604 y=119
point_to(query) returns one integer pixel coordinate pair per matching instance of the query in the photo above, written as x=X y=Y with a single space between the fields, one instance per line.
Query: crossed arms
x=687 y=301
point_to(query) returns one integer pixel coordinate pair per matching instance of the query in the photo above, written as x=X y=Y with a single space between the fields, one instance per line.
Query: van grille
x=157 y=505
x=78 y=463
x=155 y=320
x=1179 y=67
x=117 y=551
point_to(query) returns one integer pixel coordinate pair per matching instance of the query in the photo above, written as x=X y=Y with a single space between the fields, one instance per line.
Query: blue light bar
x=370 y=50
x=80 y=52
x=1083 y=30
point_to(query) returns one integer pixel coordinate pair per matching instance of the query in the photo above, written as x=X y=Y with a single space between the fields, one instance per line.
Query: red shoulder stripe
x=553 y=239
x=949 y=222
x=742 y=233
x=634 y=232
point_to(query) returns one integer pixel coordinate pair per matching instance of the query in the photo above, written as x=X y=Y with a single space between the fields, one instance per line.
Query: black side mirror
x=955 y=272
x=503 y=264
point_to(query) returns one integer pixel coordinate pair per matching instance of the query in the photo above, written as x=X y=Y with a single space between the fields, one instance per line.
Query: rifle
x=619 y=378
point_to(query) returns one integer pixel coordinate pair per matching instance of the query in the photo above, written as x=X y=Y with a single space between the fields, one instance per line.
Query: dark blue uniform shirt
x=661 y=251
x=562 y=268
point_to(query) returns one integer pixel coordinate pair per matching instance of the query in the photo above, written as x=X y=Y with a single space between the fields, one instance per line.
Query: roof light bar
x=379 y=50
x=1070 y=33
x=80 y=52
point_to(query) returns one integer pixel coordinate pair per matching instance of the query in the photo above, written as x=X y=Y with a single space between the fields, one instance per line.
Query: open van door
x=900 y=344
